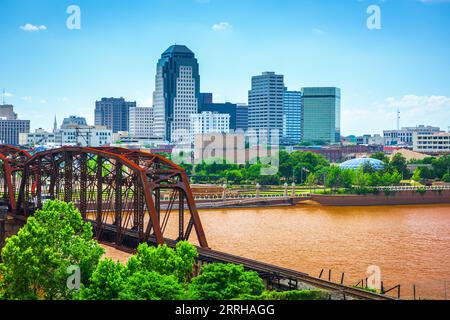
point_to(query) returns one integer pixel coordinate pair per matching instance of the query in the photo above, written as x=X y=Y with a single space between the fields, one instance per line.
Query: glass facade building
x=321 y=114
x=177 y=93
x=292 y=117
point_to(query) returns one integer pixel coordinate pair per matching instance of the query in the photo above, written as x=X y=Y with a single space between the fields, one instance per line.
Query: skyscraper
x=321 y=115
x=177 y=92
x=113 y=113
x=292 y=118
x=265 y=101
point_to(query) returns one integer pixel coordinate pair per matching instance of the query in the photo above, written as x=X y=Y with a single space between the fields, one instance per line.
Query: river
x=410 y=244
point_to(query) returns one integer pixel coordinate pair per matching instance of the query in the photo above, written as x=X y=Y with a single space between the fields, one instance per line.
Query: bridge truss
x=118 y=190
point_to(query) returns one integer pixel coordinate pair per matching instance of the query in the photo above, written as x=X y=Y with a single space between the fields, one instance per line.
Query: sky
x=48 y=69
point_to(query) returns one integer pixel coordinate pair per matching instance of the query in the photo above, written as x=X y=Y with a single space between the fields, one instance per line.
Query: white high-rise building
x=265 y=103
x=141 y=122
x=208 y=122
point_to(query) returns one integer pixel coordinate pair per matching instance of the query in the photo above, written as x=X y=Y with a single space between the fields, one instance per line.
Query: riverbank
x=386 y=198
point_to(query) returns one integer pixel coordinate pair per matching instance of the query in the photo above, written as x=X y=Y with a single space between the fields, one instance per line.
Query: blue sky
x=48 y=69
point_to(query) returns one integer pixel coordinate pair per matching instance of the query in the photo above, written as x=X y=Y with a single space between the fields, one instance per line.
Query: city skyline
x=50 y=70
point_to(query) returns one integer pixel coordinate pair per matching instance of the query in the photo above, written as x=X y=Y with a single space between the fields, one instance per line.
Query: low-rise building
x=368 y=139
x=437 y=143
x=208 y=122
x=38 y=137
x=84 y=136
x=405 y=135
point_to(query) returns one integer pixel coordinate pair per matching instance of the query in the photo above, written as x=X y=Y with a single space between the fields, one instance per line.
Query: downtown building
x=177 y=93
x=431 y=143
x=73 y=120
x=208 y=122
x=404 y=136
x=141 y=122
x=265 y=104
x=10 y=126
x=113 y=113
x=292 y=117
x=321 y=121
x=38 y=137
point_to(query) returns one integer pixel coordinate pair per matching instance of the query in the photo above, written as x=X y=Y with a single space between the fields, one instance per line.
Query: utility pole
x=398 y=118
x=3 y=96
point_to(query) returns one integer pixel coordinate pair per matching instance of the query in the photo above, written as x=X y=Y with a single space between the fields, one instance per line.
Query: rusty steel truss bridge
x=119 y=192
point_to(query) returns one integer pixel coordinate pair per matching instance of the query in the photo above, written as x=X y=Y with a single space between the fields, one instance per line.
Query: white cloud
x=382 y=115
x=43 y=101
x=8 y=94
x=221 y=26
x=318 y=31
x=26 y=98
x=32 y=28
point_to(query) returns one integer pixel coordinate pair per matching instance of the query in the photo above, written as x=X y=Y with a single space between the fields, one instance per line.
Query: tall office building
x=10 y=126
x=141 y=122
x=265 y=101
x=242 y=117
x=292 y=118
x=321 y=115
x=113 y=113
x=177 y=92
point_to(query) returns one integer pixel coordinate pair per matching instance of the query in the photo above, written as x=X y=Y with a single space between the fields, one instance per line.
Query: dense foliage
x=225 y=282
x=35 y=261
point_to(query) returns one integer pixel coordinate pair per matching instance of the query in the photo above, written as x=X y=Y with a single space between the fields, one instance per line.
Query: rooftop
x=178 y=49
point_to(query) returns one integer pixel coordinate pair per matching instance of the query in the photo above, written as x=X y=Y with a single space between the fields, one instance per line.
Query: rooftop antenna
x=398 y=118
x=3 y=96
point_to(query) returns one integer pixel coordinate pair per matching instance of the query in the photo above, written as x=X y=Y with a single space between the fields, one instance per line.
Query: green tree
x=164 y=260
x=380 y=156
x=446 y=177
x=417 y=176
x=35 y=261
x=295 y=295
x=224 y=282
x=151 y=286
x=398 y=162
x=361 y=180
x=106 y=282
